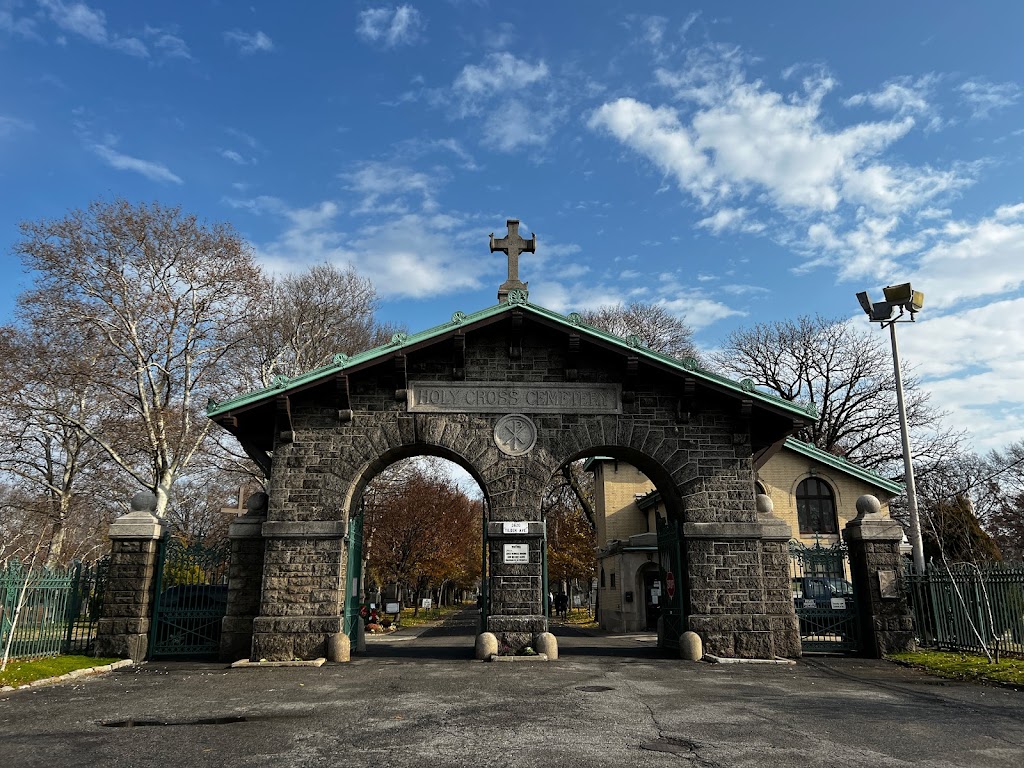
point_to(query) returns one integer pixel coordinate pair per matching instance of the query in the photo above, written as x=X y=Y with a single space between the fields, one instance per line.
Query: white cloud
x=23 y=26
x=235 y=157
x=500 y=73
x=502 y=79
x=970 y=261
x=168 y=44
x=11 y=125
x=731 y=219
x=984 y=97
x=756 y=160
x=148 y=168
x=391 y=189
x=391 y=27
x=249 y=42
x=91 y=24
x=904 y=97
x=971 y=363
x=389 y=251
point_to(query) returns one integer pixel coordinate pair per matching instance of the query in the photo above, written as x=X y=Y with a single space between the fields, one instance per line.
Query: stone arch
x=372 y=468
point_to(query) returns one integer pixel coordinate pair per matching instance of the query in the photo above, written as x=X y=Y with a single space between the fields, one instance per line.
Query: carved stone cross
x=512 y=244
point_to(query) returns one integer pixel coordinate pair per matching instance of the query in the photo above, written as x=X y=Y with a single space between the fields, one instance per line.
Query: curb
x=725 y=660
x=246 y=664
x=72 y=675
x=535 y=657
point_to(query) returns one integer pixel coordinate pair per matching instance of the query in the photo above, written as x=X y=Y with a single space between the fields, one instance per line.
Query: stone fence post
x=873 y=539
x=123 y=629
x=245 y=578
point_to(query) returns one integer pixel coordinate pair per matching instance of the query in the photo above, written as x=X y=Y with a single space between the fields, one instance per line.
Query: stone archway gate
x=510 y=393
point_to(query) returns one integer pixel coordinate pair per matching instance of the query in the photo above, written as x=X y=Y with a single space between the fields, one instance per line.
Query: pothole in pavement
x=140 y=723
x=594 y=688
x=671 y=745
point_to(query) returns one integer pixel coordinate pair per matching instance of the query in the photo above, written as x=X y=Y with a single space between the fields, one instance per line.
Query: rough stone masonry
x=510 y=393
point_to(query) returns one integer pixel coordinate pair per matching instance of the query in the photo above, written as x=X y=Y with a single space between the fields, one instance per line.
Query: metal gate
x=192 y=598
x=671 y=598
x=823 y=598
x=353 y=591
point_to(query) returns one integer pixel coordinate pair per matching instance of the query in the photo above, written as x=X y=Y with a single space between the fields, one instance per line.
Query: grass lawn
x=19 y=671
x=581 y=617
x=427 y=615
x=962 y=666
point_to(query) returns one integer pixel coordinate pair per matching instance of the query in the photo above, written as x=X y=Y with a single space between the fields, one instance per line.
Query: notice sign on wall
x=516 y=553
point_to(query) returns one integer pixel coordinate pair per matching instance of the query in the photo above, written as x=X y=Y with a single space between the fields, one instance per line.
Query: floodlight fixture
x=904 y=296
x=877 y=312
x=907 y=300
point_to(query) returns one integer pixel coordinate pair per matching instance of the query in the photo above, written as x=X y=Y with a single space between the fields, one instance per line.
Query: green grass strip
x=963 y=666
x=20 y=672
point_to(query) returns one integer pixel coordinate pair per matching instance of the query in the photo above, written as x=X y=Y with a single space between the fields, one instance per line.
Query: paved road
x=419 y=703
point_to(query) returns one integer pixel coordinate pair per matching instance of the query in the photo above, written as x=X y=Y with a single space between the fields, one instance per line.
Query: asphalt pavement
x=424 y=701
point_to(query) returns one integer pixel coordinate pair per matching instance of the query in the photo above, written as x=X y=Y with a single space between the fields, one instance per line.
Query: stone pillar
x=740 y=599
x=515 y=553
x=128 y=599
x=245 y=577
x=873 y=539
x=302 y=591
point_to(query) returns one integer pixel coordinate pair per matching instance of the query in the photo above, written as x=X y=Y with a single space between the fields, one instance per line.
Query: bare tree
x=302 y=320
x=1005 y=517
x=160 y=301
x=847 y=374
x=57 y=464
x=657 y=328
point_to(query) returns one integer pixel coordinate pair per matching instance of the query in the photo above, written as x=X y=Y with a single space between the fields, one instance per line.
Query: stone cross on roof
x=513 y=245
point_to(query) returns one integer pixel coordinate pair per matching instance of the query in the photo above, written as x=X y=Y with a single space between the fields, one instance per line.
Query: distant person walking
x=562 y=605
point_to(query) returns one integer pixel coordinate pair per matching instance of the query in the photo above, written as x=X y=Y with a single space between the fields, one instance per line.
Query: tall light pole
x=907 y=301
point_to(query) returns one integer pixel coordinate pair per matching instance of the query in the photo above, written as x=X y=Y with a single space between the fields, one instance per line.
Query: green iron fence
x=968 y=606
x=59 y=608
x=823 y=598
x=191 y=599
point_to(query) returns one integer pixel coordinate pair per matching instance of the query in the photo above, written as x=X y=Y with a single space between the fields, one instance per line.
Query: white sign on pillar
x=516 y=553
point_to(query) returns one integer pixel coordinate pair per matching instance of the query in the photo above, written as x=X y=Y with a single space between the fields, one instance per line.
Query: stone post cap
x=256 y=504
x=764 y=504
x=144 y=501
x=140 y=523
x=868 y=505
x=870 y=524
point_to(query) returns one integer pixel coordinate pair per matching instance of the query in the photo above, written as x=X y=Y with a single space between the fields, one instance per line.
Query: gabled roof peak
x=517 y=300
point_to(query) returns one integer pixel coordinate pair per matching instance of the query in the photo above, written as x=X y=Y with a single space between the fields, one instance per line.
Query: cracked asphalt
x=418 y=699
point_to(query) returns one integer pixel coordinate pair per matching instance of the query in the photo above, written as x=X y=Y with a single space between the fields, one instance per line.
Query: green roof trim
x=841 y=464
x=341 y=362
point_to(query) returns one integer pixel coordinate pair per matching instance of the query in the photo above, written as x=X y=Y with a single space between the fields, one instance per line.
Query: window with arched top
x=816 y=507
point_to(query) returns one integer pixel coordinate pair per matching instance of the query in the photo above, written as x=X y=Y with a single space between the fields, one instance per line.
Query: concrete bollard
x=486 y=645
x=547 y=644
x=691 y=647
x=339 y=647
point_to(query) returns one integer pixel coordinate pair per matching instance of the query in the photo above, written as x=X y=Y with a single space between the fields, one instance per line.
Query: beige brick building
x=813 y=492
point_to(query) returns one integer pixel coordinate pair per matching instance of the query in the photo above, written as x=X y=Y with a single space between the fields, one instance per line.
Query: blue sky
x=737 y=162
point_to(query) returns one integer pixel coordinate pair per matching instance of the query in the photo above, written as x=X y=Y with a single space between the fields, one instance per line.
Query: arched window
x=816 y=507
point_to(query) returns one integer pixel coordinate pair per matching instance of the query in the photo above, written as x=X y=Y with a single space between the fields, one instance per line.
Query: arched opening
x=415 y=558
x=634 y=552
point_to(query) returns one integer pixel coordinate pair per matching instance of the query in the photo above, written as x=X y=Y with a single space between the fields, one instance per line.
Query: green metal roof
x=841 y=464
x=573 y=322
x=805 y=449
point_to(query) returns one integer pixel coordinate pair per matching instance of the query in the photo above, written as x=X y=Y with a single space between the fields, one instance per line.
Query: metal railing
x=970 y=607
x=59 y=609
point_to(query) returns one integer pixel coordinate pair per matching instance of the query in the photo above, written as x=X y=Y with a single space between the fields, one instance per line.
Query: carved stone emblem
x=515 y=434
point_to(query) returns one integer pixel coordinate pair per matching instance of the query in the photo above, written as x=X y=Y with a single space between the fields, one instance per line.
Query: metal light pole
x=905 y=299
x=916 y=543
